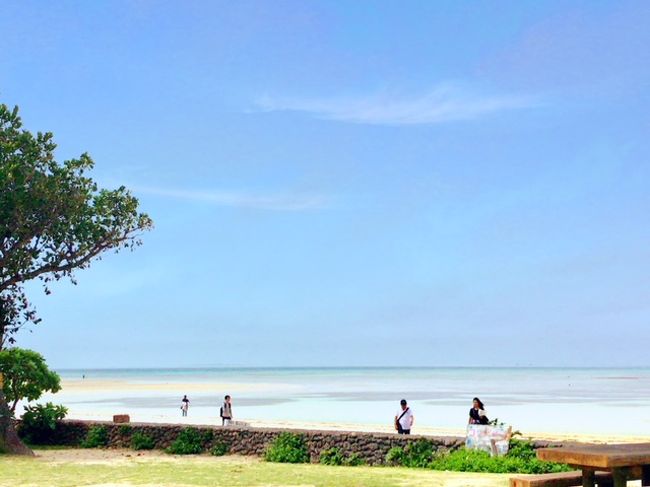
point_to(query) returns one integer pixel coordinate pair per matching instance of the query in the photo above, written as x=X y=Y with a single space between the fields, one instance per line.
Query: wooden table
x=625 y=461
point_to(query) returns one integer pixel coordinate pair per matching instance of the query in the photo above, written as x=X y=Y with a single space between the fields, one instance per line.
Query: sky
x=339 y=183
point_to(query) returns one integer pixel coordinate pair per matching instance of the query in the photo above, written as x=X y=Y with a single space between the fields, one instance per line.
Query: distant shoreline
x=342 y=368
x=557 y=404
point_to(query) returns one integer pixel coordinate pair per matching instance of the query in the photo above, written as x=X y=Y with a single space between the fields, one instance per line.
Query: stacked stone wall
x=371 y=447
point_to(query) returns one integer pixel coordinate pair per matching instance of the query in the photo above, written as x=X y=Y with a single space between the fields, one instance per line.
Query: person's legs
x=406 y=432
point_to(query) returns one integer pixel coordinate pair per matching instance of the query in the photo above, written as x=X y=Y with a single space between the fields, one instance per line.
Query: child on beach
x=226 y=411
x=185 y=405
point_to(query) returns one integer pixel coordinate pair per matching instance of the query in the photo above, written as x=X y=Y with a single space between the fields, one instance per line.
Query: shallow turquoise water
x=605 y=401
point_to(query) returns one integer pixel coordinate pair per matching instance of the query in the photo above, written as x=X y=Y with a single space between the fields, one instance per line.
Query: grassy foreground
x=122 y=468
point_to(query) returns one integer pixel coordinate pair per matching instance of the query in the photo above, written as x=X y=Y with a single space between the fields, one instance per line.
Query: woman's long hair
x=480 y=403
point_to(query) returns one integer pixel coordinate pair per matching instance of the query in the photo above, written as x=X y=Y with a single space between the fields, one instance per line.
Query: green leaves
x=26 y=376
x=287 y=448
x=54 y=219
x=39 y=422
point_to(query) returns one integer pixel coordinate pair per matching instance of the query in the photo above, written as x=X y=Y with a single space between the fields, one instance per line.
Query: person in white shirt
x=404 y=419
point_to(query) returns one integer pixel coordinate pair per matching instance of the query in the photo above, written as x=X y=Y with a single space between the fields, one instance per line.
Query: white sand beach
x=577 y=405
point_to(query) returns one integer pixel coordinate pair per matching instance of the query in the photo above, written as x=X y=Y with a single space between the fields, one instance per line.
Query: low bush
x=395 y=456
x=189 y=442
x=354 y=460
x=287 y=448
x=96 y=437
x=520 y=459
x=142 y=441
x=420 y=454
x=125 y=430
x=480 y=461
x=334 y=456
x=220 y=449
x=39 y=422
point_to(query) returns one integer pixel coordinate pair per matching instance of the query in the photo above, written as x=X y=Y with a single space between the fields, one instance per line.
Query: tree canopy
x=54 y=218
x=26 y=376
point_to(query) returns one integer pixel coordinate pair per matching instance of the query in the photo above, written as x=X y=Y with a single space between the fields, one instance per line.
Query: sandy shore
x=85 y=396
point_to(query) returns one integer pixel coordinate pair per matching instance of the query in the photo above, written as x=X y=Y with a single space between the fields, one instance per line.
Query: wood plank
x=564 y=479
x=598 y=456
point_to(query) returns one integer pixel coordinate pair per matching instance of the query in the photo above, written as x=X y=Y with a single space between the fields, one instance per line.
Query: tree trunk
x=9 y=441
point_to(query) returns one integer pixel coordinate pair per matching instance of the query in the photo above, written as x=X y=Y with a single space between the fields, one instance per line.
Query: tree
x=26 y=376
x=54 y=219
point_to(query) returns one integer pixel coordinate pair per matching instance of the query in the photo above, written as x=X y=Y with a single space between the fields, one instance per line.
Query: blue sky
x=350 y=183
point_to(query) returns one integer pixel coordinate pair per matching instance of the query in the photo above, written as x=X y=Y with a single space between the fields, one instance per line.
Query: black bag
x=398 y=426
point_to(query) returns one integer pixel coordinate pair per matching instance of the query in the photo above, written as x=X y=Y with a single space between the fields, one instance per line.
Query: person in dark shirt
x=185 y=405
x=477 y=413
x=226 y=411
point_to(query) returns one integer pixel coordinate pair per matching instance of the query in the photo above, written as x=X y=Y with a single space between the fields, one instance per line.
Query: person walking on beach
x=404 y=419
x=226 y=411
x=477 y=413
x=185 y=405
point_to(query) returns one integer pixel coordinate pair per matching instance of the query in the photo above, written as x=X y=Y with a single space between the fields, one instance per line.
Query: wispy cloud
x=444 y=103
x=273 y=202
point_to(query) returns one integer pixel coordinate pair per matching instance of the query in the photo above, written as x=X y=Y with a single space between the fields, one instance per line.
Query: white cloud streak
x=445 y=103
x=272 y=202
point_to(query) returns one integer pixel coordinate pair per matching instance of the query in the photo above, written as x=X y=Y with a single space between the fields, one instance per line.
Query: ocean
x=564 y=401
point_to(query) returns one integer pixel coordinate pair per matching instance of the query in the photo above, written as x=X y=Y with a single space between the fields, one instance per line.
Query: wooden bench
x=564 y=479
x=568 y=479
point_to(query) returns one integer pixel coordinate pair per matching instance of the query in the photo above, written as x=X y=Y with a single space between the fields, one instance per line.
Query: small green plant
x=125 y=430
x=219 y=449
x=287 y=448
x=520 y=459
x=354 y=460
x=417 y=454
x=96 y=437
x=39 y=422
x=189 y=442
x=332 y=456
x=395 y=456
x=208 y=436
x=142 y=441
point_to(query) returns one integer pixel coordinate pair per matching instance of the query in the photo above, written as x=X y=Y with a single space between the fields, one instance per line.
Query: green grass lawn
x=122 y=467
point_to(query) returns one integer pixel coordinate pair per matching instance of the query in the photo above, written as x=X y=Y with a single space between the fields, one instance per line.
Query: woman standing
x=477 y=413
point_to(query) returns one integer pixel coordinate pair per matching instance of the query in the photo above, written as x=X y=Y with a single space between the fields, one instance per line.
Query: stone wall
x=372 y=447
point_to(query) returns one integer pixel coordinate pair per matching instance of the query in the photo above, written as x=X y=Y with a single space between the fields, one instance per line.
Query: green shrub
x=208 y=436
x=97 y=436
x=125 y=430
x=39 y=422
x=522 y=449
x=332 y=456
x=354 y=460
x=395 y=456
x=287 y=448
x=480 y=461
x=520 y=459
x=220 y=449
x=141 y=441
x=420 y=453
x=189 y=442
